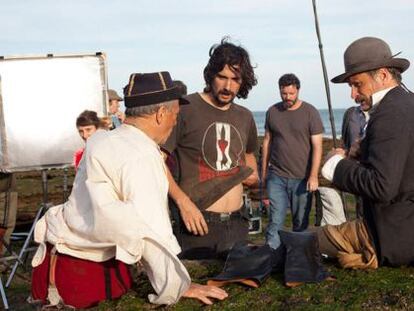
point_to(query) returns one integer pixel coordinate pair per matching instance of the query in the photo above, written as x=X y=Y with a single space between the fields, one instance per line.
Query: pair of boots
x=298 y=257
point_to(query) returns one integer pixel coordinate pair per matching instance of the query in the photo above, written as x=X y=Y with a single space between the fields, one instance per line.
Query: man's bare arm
x=265 y=156
x=254 y=177
x=313 y=183
x=190 y=214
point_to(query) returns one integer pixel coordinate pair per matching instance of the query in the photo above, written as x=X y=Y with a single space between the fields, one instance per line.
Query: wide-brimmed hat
x=367 y=54
x=113 y=95
x=146 y=89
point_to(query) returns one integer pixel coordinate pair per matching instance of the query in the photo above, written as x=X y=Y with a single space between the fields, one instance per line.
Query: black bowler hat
x=367 y=54
x=146 y=89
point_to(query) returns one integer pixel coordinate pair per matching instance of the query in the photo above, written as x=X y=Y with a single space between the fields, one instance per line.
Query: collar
x=140 y=132
x=207 y=100
x=378 y=96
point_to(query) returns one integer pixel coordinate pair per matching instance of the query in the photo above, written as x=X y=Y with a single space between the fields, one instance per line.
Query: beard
x=223 y=102
x=290 y=103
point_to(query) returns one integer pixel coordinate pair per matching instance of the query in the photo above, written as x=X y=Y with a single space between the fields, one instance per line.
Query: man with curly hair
x=215 y=140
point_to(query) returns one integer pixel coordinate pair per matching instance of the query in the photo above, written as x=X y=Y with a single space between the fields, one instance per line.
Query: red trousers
x=80 y=283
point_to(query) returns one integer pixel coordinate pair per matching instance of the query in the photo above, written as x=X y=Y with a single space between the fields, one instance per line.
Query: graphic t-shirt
x=211 y=143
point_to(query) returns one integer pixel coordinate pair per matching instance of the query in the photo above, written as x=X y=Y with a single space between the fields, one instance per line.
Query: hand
x=312 y=184
x=204 y=292
x=121 y=116
x=333 y=152
x=192 y=217
x=266 y=202
x=252 y=180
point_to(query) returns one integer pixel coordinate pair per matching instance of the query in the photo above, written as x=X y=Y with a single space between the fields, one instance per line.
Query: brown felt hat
x=146 y=89
x=367 y=54
x=113 y=95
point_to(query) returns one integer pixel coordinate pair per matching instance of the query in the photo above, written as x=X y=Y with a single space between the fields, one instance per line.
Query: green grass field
x=383 y=289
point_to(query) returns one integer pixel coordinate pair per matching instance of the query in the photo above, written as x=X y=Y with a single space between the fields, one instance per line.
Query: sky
x=172 y=35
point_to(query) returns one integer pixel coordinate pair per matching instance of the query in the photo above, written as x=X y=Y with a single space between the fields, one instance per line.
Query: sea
x=259 y=118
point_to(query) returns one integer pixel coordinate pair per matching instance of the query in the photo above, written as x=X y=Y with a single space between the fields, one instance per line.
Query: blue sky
x=147 y=36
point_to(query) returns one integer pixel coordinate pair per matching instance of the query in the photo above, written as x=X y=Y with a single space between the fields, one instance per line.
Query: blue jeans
x=284 y=193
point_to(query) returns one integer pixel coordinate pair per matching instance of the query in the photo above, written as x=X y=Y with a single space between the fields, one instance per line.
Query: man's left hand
x=312 y=184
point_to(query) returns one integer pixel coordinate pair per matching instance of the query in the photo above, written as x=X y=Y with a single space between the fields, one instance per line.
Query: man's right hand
x=192 y=217
x=204 y=293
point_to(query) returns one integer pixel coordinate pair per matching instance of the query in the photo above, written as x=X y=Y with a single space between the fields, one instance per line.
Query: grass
x=382 y=289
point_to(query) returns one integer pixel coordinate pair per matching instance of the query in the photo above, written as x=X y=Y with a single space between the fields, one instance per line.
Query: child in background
x=88 y=123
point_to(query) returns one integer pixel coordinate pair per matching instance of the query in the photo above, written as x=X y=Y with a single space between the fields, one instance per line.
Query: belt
x=220 y=217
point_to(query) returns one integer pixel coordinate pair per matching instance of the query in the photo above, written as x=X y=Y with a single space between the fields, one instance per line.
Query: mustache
x=226 y=92
x=289 y=101
x=360 y=99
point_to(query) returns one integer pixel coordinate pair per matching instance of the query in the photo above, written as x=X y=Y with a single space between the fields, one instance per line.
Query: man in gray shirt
x=292 y=150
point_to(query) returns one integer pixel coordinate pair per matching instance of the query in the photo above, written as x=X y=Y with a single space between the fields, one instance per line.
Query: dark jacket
x=385 y=177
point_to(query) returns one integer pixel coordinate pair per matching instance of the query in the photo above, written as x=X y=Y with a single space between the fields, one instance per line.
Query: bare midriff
x=230 y=202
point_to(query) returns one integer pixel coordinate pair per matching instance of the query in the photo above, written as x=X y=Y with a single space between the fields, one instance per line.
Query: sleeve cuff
x=329 y=167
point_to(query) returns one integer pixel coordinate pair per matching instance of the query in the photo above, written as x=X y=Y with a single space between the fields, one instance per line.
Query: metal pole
x=65 y=184
x=328 y=92
x=325 y=74
x=44 y=186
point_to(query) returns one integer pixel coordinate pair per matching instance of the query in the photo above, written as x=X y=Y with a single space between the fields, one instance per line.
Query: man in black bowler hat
x=384 y=176
x=117 y=213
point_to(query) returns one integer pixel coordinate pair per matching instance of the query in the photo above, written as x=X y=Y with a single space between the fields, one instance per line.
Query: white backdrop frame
x=40 y=99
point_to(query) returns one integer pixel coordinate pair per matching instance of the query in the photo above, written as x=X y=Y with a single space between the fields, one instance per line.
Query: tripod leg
x=25 y=245
x=9 y=248
x=65 y=184
x=3 y=295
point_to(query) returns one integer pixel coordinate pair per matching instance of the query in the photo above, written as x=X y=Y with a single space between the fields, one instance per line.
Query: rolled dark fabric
x=250 y=265
x=303 y=260
x=206 y=193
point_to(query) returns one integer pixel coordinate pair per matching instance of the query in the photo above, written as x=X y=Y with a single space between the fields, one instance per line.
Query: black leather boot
x=250 y=265
x=303 y=261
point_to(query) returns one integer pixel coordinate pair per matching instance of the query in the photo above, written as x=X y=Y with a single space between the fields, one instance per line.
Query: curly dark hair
x=237 y=58
x=289 y=79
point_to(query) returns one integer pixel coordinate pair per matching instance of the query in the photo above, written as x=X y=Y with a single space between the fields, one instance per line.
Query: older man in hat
x=384 y=176
x=117 y=213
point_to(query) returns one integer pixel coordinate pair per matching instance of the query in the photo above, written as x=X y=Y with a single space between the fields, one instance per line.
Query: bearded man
x=292 y=151
x=215 y=140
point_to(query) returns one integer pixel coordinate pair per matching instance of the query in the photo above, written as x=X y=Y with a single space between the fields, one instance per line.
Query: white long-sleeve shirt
x=119 y=208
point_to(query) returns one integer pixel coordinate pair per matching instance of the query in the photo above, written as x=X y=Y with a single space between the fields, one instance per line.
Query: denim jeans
x=284 y=193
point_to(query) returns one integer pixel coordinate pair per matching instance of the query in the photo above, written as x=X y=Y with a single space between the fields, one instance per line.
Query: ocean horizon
x=259 y=118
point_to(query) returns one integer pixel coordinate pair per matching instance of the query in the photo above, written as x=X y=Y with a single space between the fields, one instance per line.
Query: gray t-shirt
x=290 y=146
